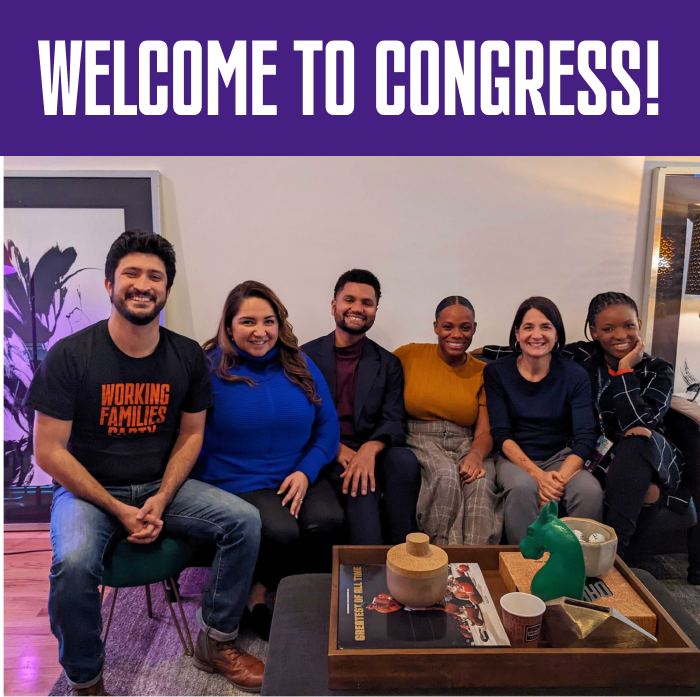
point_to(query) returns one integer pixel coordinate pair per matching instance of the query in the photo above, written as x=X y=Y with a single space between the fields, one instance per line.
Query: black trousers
x=388 y=514
x=626 y=483
x=292 y=545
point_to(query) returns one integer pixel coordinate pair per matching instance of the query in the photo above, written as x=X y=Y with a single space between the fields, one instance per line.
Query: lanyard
x=603 y=384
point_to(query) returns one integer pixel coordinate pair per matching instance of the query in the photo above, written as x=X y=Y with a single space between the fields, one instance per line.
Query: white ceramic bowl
x=598 y=556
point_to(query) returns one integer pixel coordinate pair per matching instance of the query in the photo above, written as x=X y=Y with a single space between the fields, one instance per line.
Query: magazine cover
x=369 y=618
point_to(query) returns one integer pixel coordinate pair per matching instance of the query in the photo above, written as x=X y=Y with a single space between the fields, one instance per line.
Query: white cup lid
x=522 y=604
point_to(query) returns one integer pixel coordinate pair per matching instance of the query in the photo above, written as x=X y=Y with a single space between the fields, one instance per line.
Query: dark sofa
x=662 y=530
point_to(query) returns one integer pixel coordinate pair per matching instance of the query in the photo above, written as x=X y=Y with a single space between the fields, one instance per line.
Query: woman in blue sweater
x=272 y=428
x=541 y=413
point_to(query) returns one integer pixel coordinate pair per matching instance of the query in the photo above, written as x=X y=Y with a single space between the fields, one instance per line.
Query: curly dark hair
x=140 y=242
x=601 y=302
x=358 y=276
x=293 y=362
x=549 y=310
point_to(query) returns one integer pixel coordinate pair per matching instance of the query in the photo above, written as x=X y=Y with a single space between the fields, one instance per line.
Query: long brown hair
x=293 y=363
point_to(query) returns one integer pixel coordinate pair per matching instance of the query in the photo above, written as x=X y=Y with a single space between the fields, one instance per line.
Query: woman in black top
x=541 y=415
x=631 y=393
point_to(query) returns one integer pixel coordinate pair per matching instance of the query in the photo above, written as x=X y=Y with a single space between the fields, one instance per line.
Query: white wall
x=496 y=229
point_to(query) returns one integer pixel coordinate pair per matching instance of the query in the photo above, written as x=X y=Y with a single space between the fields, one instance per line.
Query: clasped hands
x=143 y=524
x=550 y=486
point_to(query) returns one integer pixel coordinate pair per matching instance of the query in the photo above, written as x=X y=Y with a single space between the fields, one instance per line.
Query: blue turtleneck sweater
x=257 y=436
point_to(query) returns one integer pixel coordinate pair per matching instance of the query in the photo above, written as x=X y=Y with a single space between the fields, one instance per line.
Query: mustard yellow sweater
x=435 y=391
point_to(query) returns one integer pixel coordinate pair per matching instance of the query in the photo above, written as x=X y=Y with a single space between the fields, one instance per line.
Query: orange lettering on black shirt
x=125 y=416
x=107 y=395
x=134 y=407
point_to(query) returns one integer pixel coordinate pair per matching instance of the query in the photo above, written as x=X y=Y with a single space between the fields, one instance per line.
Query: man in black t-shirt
x=120 y=412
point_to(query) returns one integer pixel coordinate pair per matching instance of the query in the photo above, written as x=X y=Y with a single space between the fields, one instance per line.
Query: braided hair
x=601 y=302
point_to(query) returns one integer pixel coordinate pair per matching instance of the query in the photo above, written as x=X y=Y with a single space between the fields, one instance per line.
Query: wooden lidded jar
x=416 y=572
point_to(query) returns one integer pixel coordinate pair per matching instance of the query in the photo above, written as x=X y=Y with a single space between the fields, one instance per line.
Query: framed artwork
x=672 y=308
x=59 y=226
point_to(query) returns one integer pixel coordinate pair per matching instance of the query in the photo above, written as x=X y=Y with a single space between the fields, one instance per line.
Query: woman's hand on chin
x=633 y=357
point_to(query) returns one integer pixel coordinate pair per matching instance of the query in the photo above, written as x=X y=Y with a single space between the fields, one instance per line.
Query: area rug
x=145 y=657
x=672 y=571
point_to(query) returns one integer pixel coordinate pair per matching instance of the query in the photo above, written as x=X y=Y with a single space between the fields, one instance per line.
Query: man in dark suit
x=372 y=470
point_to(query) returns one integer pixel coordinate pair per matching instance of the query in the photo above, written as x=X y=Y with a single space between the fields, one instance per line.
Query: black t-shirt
x=125 y=411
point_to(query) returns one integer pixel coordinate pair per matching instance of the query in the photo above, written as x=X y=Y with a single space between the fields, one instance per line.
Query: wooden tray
x=675 y=661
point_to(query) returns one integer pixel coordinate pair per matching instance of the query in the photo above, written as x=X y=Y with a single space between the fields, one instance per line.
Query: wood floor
x=31 y=651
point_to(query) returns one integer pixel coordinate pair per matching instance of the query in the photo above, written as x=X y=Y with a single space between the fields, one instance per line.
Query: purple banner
x=342 y=78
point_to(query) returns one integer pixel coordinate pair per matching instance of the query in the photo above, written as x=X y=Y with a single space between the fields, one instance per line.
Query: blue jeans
x=81 y=533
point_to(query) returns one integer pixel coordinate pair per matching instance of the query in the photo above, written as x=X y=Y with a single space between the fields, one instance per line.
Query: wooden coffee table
x=674 y=662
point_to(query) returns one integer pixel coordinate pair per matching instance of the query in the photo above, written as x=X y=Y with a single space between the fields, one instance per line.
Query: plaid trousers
x=448 y=512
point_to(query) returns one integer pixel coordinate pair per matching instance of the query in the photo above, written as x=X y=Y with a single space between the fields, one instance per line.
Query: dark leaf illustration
x=50 y=275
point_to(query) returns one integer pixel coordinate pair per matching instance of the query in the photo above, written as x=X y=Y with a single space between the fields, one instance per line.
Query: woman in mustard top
x=449 y=432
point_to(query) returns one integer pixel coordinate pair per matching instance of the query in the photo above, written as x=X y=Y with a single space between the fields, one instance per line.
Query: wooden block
x=505 y=570
x=518 y=572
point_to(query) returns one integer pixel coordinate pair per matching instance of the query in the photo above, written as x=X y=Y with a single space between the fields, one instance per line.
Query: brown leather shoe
x=97 y=689
x=242 y=669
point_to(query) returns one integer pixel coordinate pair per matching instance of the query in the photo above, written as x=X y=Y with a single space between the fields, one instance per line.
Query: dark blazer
x=378 y=411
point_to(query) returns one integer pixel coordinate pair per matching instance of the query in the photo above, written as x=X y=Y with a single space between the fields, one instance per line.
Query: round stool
x=128 y=565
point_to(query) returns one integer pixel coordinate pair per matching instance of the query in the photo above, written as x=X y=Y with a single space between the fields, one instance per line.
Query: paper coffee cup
x=522 y=618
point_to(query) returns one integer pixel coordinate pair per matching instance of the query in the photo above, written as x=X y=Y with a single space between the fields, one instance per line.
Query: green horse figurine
x=564 y=574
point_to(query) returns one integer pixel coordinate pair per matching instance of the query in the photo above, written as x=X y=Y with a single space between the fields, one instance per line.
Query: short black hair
x=604 y=300
x=358 y=276
x=549 y=310
x=451 y=300
x=140 y=242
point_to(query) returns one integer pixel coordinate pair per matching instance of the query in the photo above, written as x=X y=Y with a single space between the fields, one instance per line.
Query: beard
x=356 y=331
x=139 y=319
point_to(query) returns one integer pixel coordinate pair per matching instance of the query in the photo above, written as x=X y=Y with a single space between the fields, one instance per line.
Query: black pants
x=397 y=474
x=629 y=476
x=292 y=545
